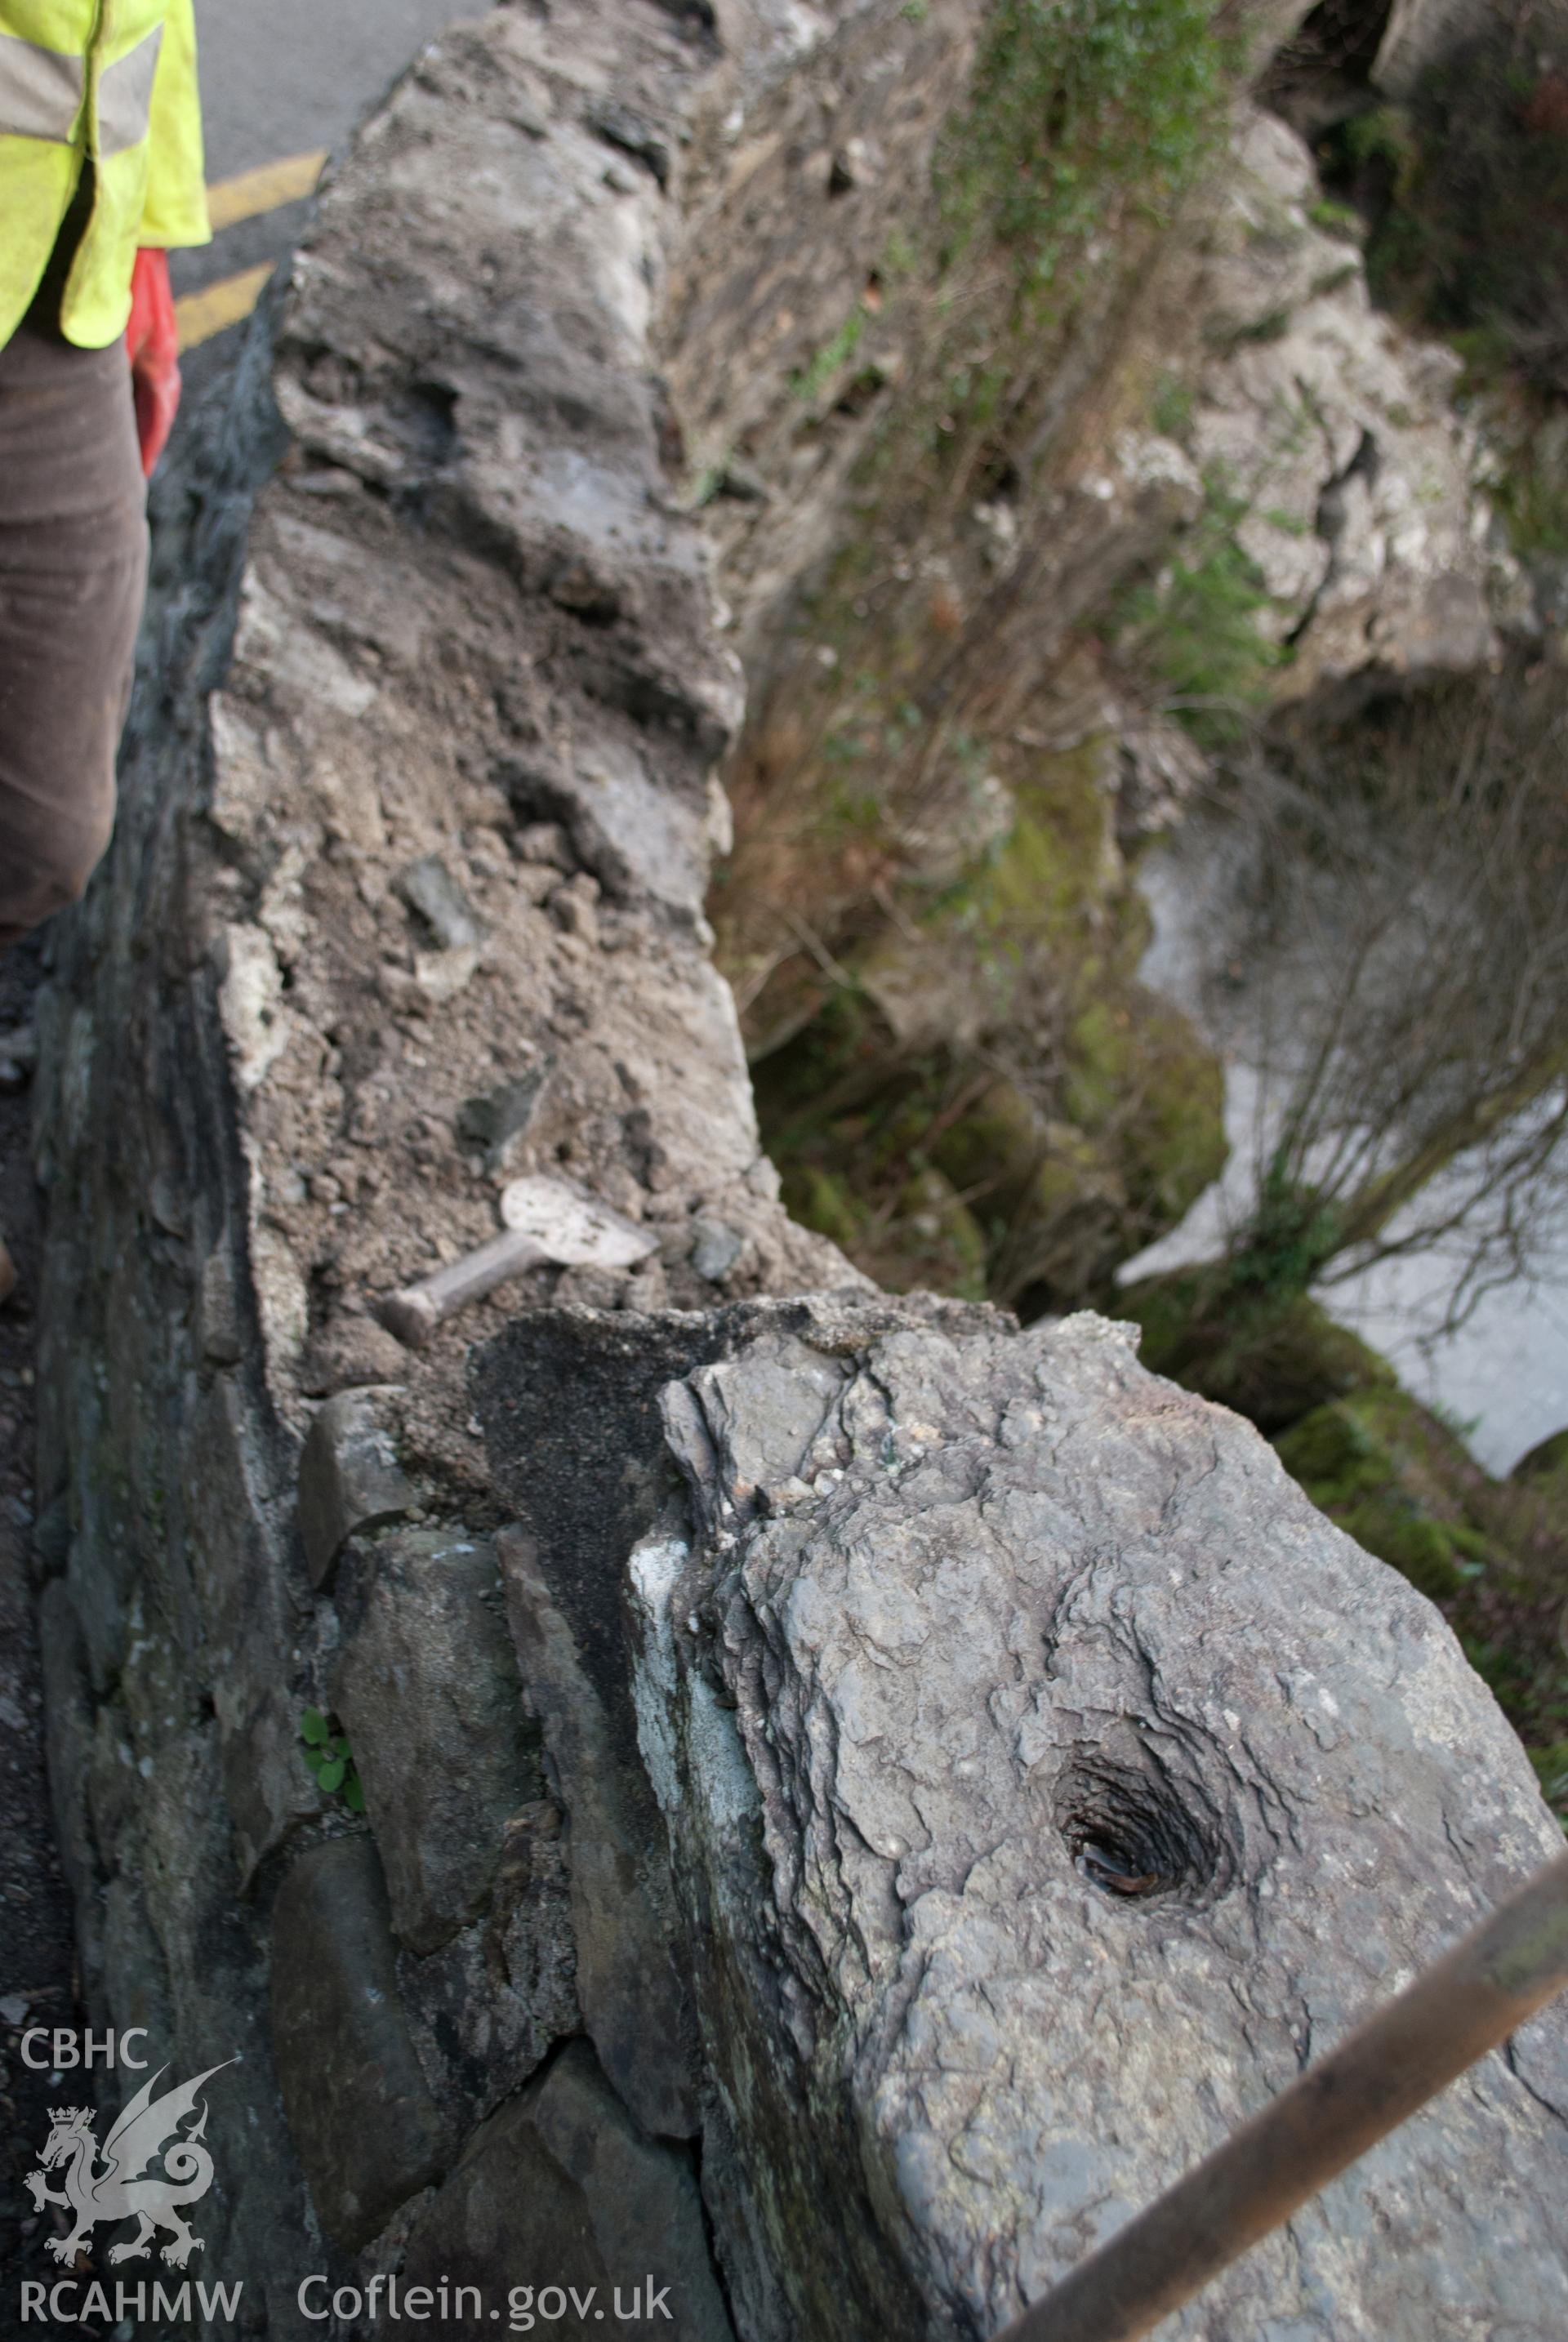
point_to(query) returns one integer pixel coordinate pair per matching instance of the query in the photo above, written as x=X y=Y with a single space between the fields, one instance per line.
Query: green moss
x=1532 y=488
x=1547 y=1460
x=1085 y=119
x=1342 y=220
x=831 y=360
x=994 y=1149
x=1397 y=1480
x=1176 y=1138
x=935 y=1239
x=824 y=1200
x=1112 y=1124
x=1172 y=407
x=1272 y=1361
x=1421 y=1550
x=926 y=1237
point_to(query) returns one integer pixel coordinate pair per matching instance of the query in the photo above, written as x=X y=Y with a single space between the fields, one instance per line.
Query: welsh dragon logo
x=121 y=2189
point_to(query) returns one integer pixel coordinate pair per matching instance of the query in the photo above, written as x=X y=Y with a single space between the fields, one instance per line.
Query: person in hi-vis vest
x=101 y=173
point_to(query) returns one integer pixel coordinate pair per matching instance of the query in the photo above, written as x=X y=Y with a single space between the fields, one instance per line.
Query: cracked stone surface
x=1046 y=1781
x=1365 y=514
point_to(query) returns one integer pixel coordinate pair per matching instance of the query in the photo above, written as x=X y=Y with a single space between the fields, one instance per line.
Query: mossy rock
x=820 y=1199
x=1551 y=1764
x=1398 y=1481
x=1174 y=1144
x=936 y=1240
x=1547 y=1460
x=998 y=1147
x=1273 y=1365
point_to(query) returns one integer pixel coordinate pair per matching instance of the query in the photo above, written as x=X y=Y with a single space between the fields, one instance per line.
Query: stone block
x=426 y=1686
x=488 y=2007
x=362 y=2121
x=349 y=1476
x=560 y=2189
x=1046 y=1782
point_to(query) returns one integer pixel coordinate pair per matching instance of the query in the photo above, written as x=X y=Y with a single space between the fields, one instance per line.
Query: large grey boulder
x=1046 y=1781
x=570 y=1401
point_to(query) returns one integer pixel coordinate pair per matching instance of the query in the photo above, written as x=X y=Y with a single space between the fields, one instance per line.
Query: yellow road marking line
x=200 y=316
x=265 y=189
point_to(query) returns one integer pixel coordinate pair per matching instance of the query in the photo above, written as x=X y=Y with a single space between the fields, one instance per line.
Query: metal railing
x=1462 y=2005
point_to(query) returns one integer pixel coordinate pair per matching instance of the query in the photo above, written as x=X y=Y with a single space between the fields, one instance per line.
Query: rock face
x=1046 y=1782
x=1335 y=432
x=418 y=802
x=1421 y=34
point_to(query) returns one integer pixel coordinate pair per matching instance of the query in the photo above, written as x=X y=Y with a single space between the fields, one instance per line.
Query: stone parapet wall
x=406 y=900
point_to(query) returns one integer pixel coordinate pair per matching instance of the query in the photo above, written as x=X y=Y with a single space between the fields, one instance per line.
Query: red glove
x=153 y=339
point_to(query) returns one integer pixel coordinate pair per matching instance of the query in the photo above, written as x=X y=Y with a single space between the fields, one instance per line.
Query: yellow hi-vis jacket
x=115 y=81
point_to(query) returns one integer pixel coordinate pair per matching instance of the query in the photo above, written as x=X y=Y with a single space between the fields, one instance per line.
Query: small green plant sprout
x=330 y=1758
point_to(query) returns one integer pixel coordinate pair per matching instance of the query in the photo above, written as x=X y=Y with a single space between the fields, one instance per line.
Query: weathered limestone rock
x=1046 y=1782
x=428 y=1690
x=570 y=1402
x=366 y=2127
x=1336 y=432
x=628 y=1987
x=560 y=2189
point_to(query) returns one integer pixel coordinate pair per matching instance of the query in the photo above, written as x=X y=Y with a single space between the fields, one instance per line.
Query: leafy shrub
x=1195 y=627
x=1467 y=189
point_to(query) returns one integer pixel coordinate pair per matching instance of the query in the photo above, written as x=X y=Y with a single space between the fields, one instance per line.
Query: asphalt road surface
x=281 y=78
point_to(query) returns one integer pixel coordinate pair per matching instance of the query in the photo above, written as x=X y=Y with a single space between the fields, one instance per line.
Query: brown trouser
x=73 y=571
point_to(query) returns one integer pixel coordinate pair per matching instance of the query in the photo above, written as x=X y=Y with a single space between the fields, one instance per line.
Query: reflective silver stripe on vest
x=40 y=90
x=126 y=96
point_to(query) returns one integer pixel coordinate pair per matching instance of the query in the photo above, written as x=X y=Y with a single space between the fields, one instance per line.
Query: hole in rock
x=1135 y=1832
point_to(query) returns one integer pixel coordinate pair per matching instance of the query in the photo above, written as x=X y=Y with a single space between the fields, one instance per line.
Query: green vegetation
x=1465 y=191
x=1383 y=1466
x=327 y=1753
x=1041 y=1117
x=831 y=359
x=1193 y=629
x=1074 y=105
x=1342 y=220
x=1271 y=1359
x=1468 y=191
x=1531 y=492
x=1170 y=410
x=1491 y=1554
x=1046 y=1116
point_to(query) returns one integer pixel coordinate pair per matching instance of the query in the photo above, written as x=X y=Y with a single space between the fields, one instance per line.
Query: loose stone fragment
x=428 y=887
